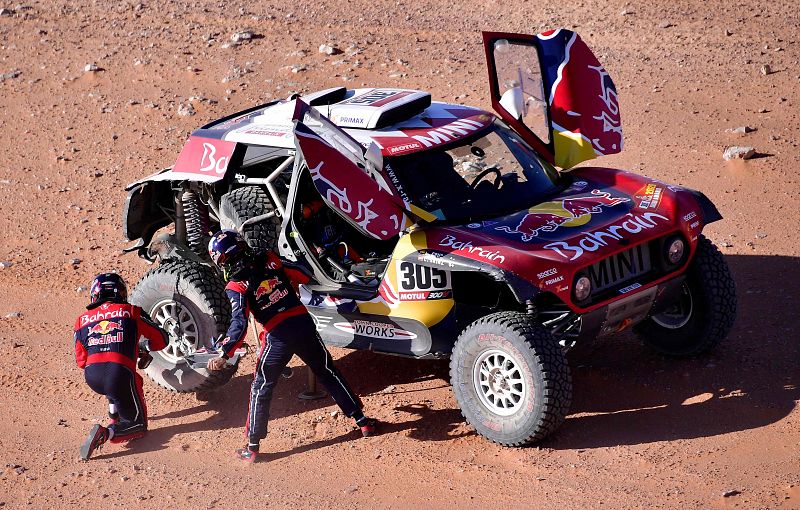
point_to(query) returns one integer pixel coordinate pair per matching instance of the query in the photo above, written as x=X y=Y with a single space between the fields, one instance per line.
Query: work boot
x=97 y=436
x=369 y=427
x=246 y=454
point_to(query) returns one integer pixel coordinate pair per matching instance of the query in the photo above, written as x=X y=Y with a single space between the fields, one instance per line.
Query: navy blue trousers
x=123 y=388
x=294 y=335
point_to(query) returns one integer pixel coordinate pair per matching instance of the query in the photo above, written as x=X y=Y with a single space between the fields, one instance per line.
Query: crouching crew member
x=109 y=338
x=259 y=283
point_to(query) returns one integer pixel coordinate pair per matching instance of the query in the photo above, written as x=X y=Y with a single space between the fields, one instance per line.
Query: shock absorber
x=197 y=222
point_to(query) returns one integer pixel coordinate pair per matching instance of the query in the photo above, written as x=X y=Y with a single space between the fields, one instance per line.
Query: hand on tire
x=216 y=364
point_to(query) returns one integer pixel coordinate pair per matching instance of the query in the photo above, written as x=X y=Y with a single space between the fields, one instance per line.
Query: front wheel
x=511 y=379
x=704 y=313
x=186 y=299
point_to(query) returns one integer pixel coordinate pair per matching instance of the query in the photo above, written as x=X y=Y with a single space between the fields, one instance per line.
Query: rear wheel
x=242 y=204
x=186 y=299
x=511 y=379
x=703 y=315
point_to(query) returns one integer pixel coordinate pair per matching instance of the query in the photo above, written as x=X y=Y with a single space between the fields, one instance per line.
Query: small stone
x=741 y=130
x=728 y=33
x=737 y=152
x=6 y=12
x=186 y=110
x=14 y=315
x=351 y=489
x=397 y=75
x=761 y=235
x=75 y=261
x=726 y=244
x=10 y=75
x=243 y=36
x=730 y=493
x=334 y=414
x=92 y=68
x=389 y=389
x=327 y=49
x=665 y=24
x=625 y=12
x=297 y=68
x=763 y=110
x=5 y=264
x=766 y=69
x=377 y=455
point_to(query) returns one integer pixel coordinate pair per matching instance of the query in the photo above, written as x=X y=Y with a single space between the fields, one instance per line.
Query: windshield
x=489 y=175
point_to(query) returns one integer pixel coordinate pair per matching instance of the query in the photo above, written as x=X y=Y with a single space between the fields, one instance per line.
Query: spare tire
x=248 y=202
x=187 y=300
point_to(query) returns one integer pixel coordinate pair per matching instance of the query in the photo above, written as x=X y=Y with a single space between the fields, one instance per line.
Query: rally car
x=436 y=230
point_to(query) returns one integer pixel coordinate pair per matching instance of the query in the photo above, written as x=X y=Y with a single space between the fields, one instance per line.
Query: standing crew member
x=109 y=337
x=261 y=284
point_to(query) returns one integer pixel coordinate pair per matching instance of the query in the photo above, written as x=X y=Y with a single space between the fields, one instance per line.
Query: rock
x=243 y=36
x=625 y=12
x=92 y=68
x=334 y=414
x=327 y=49
x=5 y=264
x=741 y=130
x=761 y=235
x=186 y=110
x=75 y=261
x=763 y=110
x=730 y=493
x=10 y=75
x=6 y=12
x=727 y=33
x=351 y=489
x=726 y=244
x=81 y=289
x=766 y=69
x=14 y=315
x=665 y=24
x=389 y=389
x=297 y=68
x=737 y=152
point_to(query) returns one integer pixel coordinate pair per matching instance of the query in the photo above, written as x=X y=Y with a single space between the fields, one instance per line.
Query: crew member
x=262 y=284
x=109 y=338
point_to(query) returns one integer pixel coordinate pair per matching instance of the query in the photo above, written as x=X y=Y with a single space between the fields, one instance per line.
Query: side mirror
x=374 y=157
x=513 y=102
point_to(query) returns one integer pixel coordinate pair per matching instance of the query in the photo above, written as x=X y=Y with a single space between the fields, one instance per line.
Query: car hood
x=602 y=212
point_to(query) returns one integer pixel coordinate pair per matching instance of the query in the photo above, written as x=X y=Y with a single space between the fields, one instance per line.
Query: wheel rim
x=181 y=327
x=679 y=314
x=499 y=383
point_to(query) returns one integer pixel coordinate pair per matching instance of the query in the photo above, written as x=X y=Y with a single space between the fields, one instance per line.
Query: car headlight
x=675 y=251
x=583 y=288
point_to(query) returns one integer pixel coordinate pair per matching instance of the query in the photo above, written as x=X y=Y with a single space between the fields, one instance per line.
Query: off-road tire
x=713 y=309
x=543 y=369
x=248 y=202
x=199 y=291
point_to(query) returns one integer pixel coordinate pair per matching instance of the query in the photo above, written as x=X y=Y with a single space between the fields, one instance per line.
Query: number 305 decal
x=419 y=283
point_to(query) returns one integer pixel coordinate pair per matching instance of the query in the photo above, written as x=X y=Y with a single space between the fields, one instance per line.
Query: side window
x=519 y=81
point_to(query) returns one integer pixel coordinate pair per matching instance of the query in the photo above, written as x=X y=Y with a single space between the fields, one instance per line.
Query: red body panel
x=604 y=212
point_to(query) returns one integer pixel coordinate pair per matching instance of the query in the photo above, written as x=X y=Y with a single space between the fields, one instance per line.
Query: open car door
x=348 y=178
x=552 y=90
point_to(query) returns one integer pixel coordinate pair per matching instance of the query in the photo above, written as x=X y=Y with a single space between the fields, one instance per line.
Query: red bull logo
x=266 y=287
x=104 y=328
x=567 y=212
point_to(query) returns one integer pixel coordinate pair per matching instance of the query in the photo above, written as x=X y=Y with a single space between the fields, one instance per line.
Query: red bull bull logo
x=266 y=287
x=567 y=212
x=104 y=328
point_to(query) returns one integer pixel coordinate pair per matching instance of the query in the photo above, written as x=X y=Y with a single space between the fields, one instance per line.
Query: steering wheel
x=480 y=176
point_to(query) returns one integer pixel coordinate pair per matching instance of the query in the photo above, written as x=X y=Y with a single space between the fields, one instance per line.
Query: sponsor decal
x=452 y=131
x=649 y=197
x=625 y=290
x=692 y=215
x=488 y=337
x=266 y=287
x=106 y=339
x=421 y=283
x=104 y=327
x=452 y=242
x=378 y=97
x=435 y=257
x=545 y=274
x=374 y=329
x=567 y=212
x=342 y=119
x=396 y=183
x=262 y=131
x=104 y=316
x=210 y=162
x=593 y=241
x=321 y=321
x=694 y=225
x=474 y=225
x=551 y=281
x=404 y=147
x=205 y=156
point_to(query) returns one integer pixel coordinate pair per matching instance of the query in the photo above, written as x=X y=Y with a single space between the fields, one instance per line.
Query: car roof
x=399 y=121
